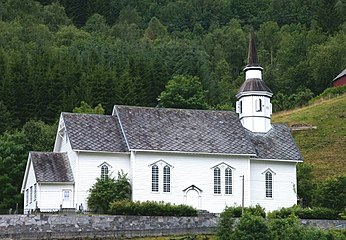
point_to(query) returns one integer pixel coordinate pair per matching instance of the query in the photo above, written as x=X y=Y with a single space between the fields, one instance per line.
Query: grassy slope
x=324 y=147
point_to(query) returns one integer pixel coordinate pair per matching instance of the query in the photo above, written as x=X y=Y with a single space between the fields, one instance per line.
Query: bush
x=331 y=193
x=290 y=228
x=227 y=219
x=236 y=211
x=251 y=227
x=105 y=191
x=151 y=208
x=305 y=213
x=286 y=228
x=329 y=93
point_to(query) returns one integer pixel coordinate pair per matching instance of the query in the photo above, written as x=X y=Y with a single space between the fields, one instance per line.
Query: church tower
x=253 y=105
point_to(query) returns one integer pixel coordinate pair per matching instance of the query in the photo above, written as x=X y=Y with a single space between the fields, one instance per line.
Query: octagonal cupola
x=253 y=105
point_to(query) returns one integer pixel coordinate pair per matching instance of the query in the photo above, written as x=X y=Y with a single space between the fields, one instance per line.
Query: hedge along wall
x=97 y=226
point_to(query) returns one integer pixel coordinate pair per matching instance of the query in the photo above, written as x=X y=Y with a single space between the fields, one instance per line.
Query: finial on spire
x=252 y=54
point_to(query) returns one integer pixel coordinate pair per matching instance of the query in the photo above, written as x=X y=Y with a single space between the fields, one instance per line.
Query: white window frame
x=222 y=167
x=35 y=192
x=155 y=178
x=269 y=183
x=27 y=197
x=102 y=166
x=258 y=105
x=217 y=180
x=228 y=181
x=66 y=197
x=166 y=179
x=30 y=194
x=104 y=172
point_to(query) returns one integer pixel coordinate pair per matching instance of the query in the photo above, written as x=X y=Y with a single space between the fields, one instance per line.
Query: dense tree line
x=56 y=54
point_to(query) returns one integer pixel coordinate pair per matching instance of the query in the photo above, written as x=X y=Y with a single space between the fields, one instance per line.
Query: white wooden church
x=194 y=157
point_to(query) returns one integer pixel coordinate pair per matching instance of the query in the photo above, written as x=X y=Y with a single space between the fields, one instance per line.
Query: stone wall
x=95 y=226
x=98 y=226
x=324 y=224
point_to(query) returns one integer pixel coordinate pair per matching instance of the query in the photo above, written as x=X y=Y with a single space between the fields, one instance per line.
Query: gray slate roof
x=254 y=84
x=177 y=130
x=92 y=132
x=277 y=143
x=51 y=167
x=184 y=130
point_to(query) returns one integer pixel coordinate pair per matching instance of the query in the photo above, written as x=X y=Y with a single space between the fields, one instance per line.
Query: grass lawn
x=324 y=147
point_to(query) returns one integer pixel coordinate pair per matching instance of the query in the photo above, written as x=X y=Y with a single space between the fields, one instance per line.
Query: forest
x=54 y=54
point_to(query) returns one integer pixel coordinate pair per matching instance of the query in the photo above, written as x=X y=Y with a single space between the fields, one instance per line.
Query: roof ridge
x=174 y=109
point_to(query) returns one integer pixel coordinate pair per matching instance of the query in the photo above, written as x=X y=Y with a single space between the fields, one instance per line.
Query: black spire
x=252 y=54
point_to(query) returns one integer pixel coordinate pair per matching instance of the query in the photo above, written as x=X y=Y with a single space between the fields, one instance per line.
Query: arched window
x=166 y=179
x=217 y=181
x=104 y=172
x=155 y=178
x=269 y=184
x=228 y=181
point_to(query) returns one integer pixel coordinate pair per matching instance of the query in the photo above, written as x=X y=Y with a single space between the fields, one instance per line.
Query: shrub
x=103 y=192
x=236 y=211
x=330 y=93
x=226 y=222
x=227 y=219
x=251 y=227
x=150 y=208
x=331 y=193
x=285 y=228
x=305 y=213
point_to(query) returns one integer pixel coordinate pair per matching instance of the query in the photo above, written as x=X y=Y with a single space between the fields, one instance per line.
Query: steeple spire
x=252 y=53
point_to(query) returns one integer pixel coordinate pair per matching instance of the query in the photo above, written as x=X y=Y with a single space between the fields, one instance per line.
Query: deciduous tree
x=183 y=92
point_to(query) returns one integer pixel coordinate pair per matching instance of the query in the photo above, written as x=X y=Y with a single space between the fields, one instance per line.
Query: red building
x=340 y=80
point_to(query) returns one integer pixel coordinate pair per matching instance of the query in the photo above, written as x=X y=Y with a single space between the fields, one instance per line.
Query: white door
x=67 y=198
x=192 y=198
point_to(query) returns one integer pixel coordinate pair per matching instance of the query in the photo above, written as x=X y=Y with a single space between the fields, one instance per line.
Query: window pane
x=155 y=179
x=30 y=194
x=35 y=191
x=27 y=196
x=228 y=181
x=66 y=195
x=104 y=172
x=166 y=179
x=258 y=104
x=269 y=185
x=217 y=181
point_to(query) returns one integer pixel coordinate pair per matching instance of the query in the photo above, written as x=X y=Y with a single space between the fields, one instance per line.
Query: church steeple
x=252 y=69
x=253 y=105
x=252 y=53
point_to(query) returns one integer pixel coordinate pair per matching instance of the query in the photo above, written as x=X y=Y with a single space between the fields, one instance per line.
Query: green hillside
x=325 y=146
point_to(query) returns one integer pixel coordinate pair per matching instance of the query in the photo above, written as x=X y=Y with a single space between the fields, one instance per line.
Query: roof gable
x=342 y=74
x=92 y=132
x=182 y=130
x=51 y=167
